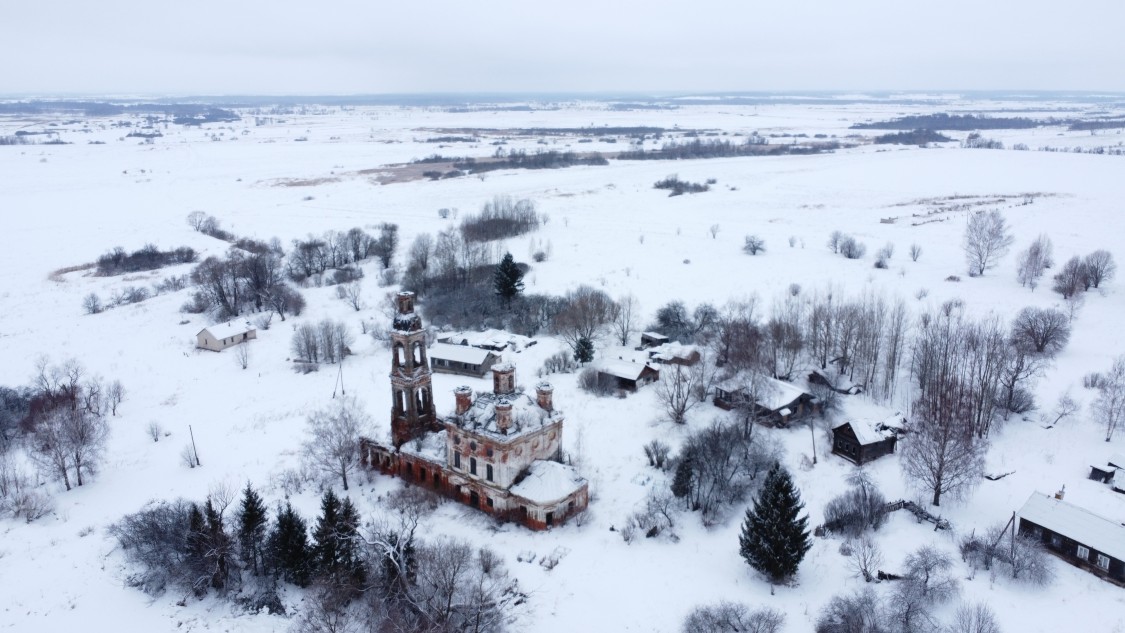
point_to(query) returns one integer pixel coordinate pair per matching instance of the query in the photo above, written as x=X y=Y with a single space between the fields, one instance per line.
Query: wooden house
x=1076 y=535
x=653 y=339
x=674 y=354
x=223 y=335
x=1113 y=473
x=861 y=441
x=774 y=401
x=464 y=360
x=627 y=375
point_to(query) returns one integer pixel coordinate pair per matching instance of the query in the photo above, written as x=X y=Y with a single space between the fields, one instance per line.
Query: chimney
x=405 y=302
x=464 y=396
x=1061 y=493
x=543 y=393
x=504 y=379
x=503 y=415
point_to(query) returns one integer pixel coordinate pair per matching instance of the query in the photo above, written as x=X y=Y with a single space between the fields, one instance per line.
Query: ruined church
x=498 y=452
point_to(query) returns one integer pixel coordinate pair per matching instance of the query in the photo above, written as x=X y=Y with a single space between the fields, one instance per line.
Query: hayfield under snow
x=65 y=205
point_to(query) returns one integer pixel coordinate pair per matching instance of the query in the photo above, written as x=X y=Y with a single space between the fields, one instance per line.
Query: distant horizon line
x=452 y=97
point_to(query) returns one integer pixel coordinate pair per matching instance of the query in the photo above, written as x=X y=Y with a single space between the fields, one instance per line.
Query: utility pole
x=193 y=449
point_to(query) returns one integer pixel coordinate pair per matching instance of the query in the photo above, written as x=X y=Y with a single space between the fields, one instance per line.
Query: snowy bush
x=731 y=617
x=856 y=511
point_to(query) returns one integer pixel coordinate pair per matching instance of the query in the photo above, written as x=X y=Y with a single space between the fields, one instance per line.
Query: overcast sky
x=655 y=46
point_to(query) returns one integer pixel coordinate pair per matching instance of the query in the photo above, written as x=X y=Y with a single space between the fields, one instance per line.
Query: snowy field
x=64 y=205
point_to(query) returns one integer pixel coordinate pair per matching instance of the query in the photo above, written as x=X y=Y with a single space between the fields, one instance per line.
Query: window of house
x=490 y=502
x=472 y=446
x=472 y=465
x=488 y=451
x=488 y=472
x=1103 y=561
x=456 y=439
x=456 y=460
x=1056 y=540
x=1083 y=552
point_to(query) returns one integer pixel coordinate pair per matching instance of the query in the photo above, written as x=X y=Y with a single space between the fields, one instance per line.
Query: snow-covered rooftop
x=527 y=415
x=493 y=339
x=865 y=431
x=1117 y=460
x=228 y=329
x=430 y=447
x=548 y=482
x=621 y=368
x=673 y=350
x=459 y=353
x=1076 y=523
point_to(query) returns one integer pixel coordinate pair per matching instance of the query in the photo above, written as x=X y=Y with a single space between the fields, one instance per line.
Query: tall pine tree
x=252 y=523
x=287 y=549
x=508 y=279
x=336 y=551
x=774 y=538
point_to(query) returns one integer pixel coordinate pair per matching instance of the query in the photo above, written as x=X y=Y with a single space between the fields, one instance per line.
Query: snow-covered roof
x=494 y=339
x=654 y=335
x=459 y=353
x=773 y=394
x=548 y=482
x=1118 y=481
x=1117 y=460
x=622 y=368
x=669 y=351
x=777 y=394
x=1077 y=523
x=430 y=447
x=229 y=329
x=864 y=431
x=527 y=416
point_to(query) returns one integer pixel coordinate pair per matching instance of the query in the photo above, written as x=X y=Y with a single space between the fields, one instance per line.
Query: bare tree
x=834 y=240
x=587 y=311
x=1065 y=407
x=1109 y=407
x=1099 y=268
x=1033 y=261
x=1072 y=278
x=861 y=612
x=85 y=435
x=678 y=390
x=50 y=448
x=1041 y=330
x=196 y=220
x=91 y=303
x=353 y=295
x=714 y=231
x=334 y=432
x=732 y=617
x=931 y=571
x=242 y=355
x=974 y=618
x=915 y=252
x=625 y=315
x=306 y=343
x=754 y=244
x=987 y=239
x=866 y=557
x=115 y=394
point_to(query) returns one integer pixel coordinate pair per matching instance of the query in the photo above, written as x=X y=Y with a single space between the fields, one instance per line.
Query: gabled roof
x=228 y=329
x=1117 y=460
x=460 y=353
x=864 y=431
x=495 y=339
x=1071 y=521
x=773 y=394
x=623 y=369
x=548 y=482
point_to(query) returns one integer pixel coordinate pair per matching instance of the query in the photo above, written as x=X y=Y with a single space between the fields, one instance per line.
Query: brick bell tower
x=412 y=411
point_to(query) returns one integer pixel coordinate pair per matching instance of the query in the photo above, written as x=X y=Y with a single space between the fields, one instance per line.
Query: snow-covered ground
x=63 y=205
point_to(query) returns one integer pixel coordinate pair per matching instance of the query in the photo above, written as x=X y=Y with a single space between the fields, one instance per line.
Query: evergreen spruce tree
x=287 y=549
x=583 y=350
x=681 y=481
x=326 y=536
x=774 y=539
x=508 y=279
x=351 y=554
x=196 y=546
x=252 y=523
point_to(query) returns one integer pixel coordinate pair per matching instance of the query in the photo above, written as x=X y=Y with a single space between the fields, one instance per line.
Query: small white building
x=461 y=359
x=223 y=335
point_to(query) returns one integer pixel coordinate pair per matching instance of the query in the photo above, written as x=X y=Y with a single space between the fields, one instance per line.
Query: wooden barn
x=860 y=441
x=223 y=335
x=464 y=360
x=776 y=402
x=674 y=354
x=653 y=339
x=1113 y=473
x=627 y=375
x=1076 y=535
